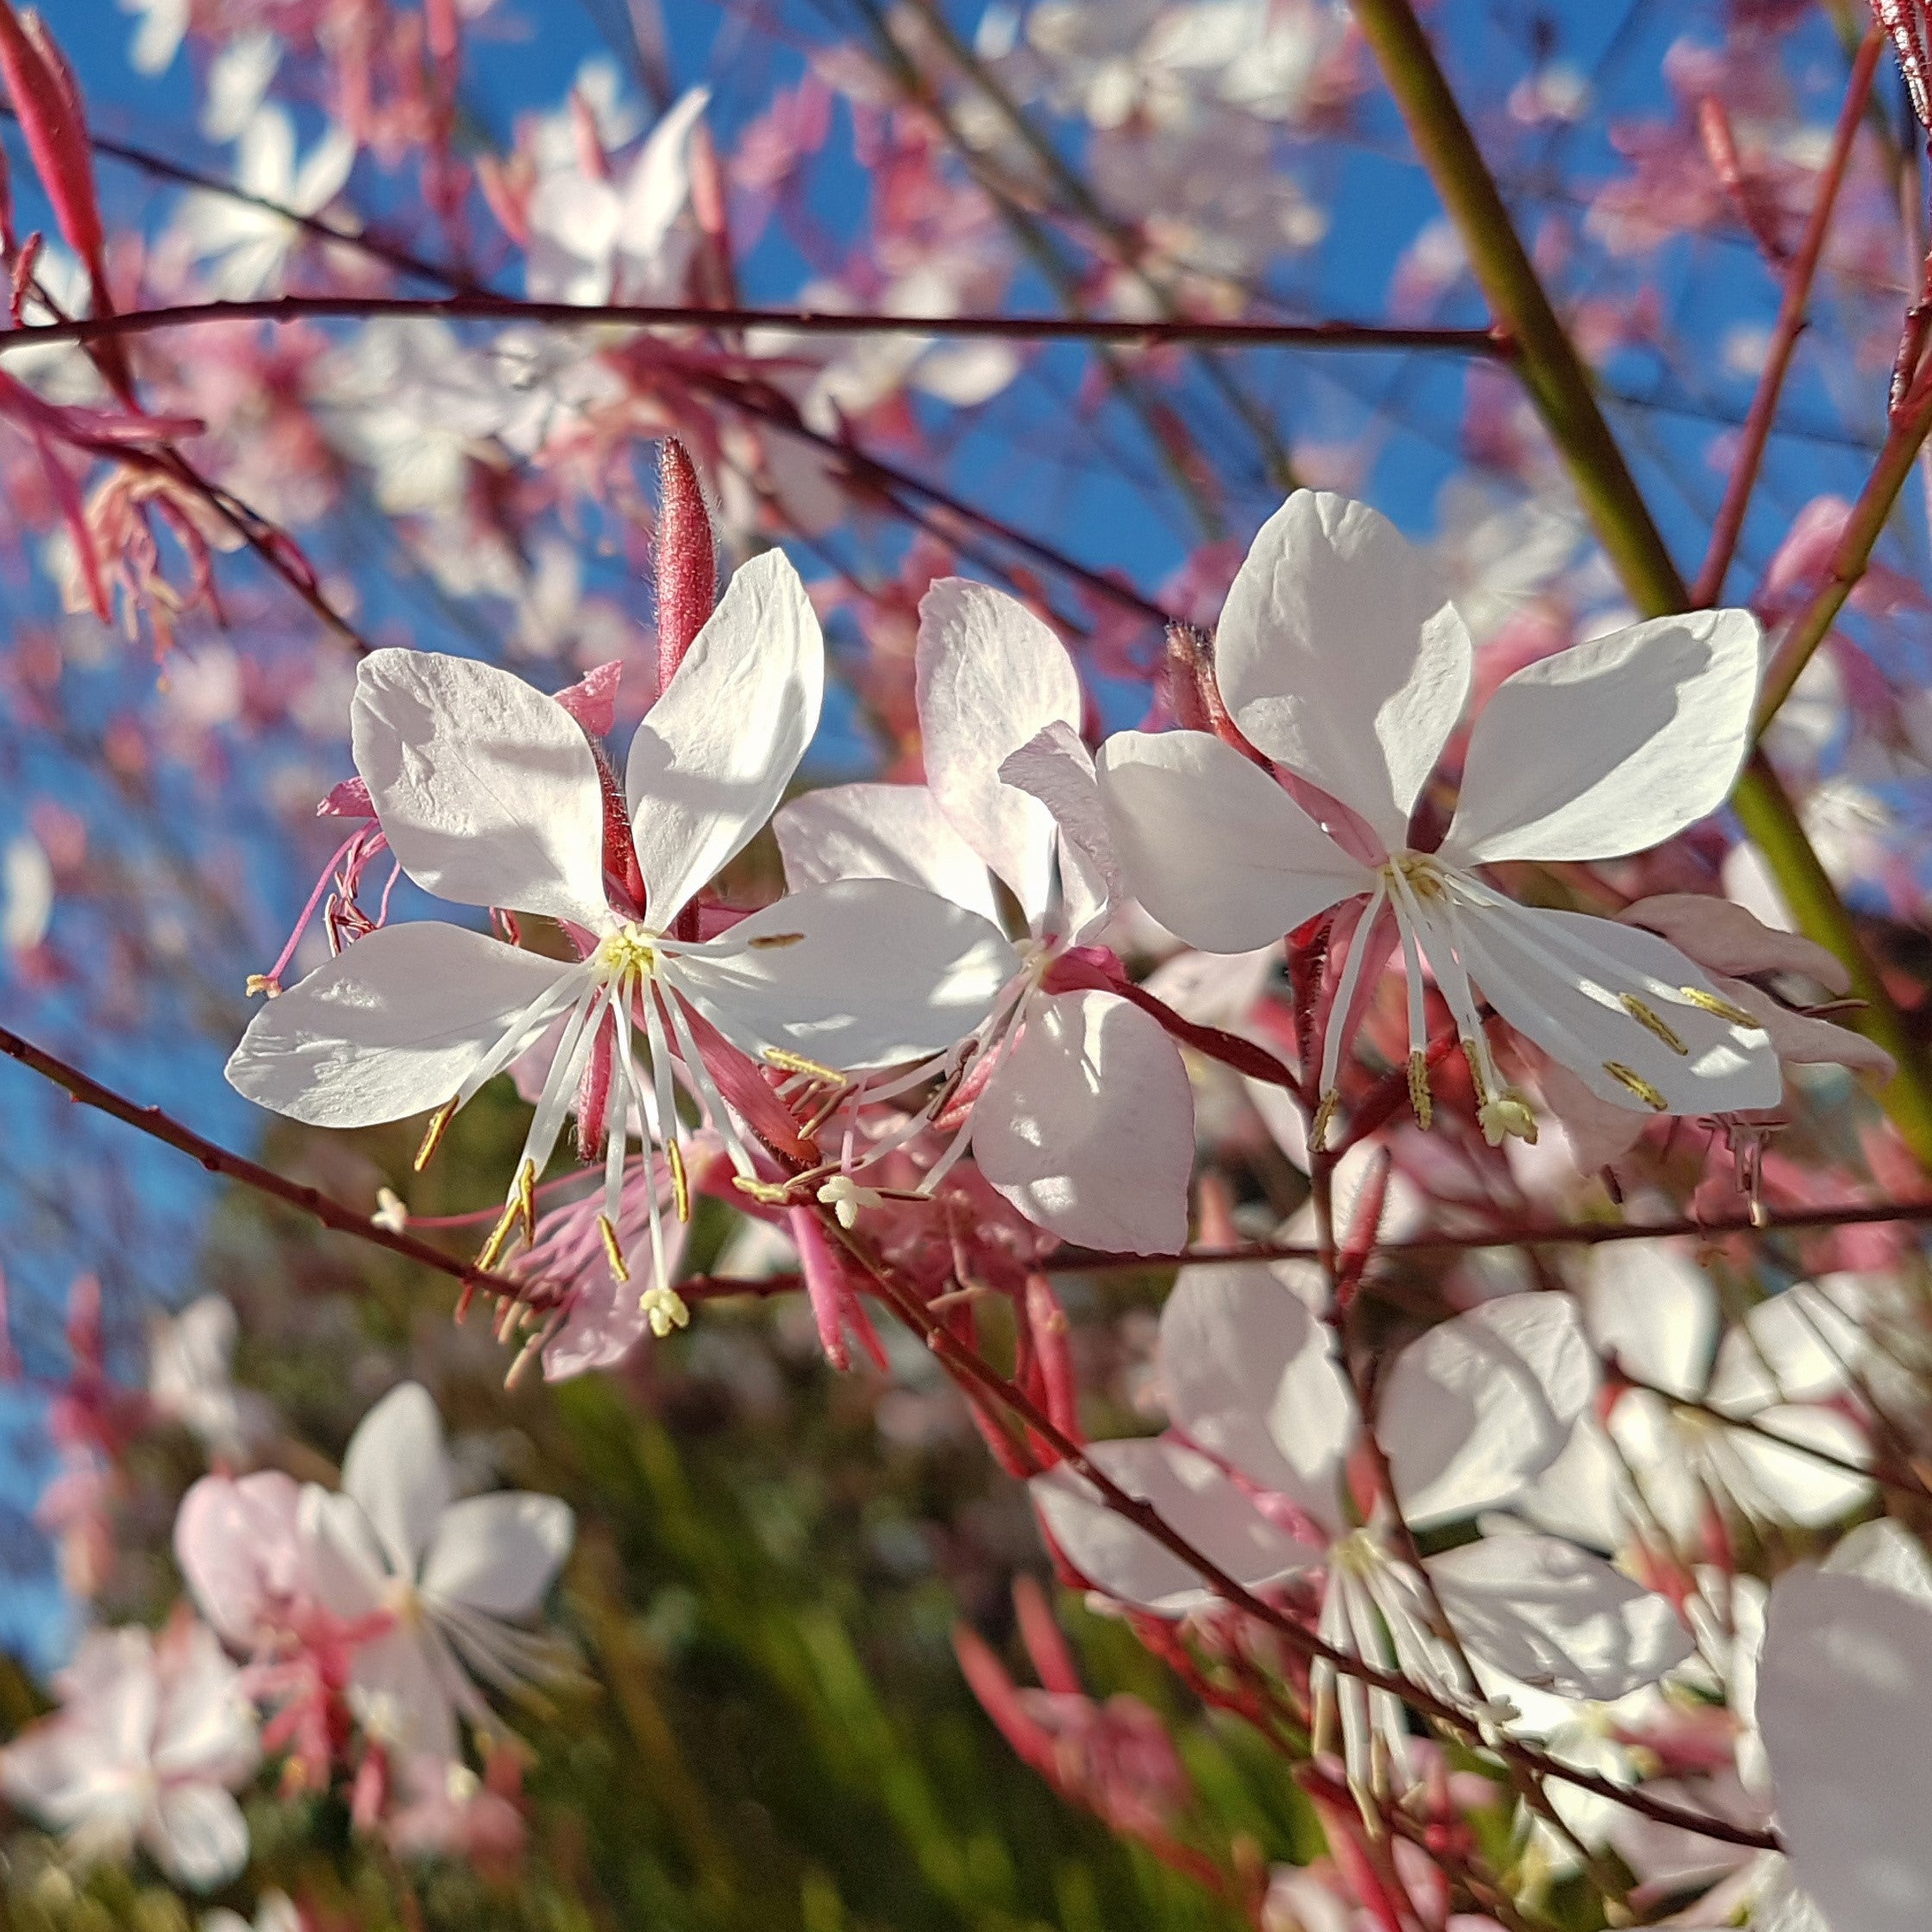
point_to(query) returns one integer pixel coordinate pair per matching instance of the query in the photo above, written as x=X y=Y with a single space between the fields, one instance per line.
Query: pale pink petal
x=1248 y=1372
x=395 y=1468
x=1212 y=846
x=1845 y=1705
x=391 y=1027
x=713 y=755
x=989 y=675
x=238 y=1544
x=1471 y=1411
x=499 y=1553
x=1087 y=1125
x=487 y=790
x=1557 y=1618
x=1341 y=657
x=881 y=972
x=1193 y=1497
x=881 y=831
x=1611 y=746
x=1723 y=936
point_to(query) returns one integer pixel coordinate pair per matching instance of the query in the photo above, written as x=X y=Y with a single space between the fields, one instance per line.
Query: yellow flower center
x=627 y=956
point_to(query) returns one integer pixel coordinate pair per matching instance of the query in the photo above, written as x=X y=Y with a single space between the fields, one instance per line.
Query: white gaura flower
x=1253 y=1473
x=191 y=1359
x=453 y=1579
x=1747 y=1421
x=248 y=245
x=1844 y=1703
x=154 y=1737
x=491 y=794
x=1084 y=1120
x=1343 y=662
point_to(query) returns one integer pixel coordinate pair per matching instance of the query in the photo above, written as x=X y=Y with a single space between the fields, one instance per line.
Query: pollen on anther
x=613 y=1249
x=797 y=1062
x=1653 y=1022
x=1635 y=1083
x=1725 y=1009
x=1419 y=1098
x=432 y=1137
x=681 y=1184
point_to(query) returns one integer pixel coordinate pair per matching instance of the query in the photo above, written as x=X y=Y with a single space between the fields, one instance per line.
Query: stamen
x=1419 y=1098
x=493 y=1249
x=773 y=1194
x=797 y=1062
x=526 y=1202
x=1638 y=1085
x=432 y=1137
x=1475 y=1057
x=1712 y=1002
x=613 y=1249
x=680 y=1184
x=665 y=1309
x=1651 y=1021
x=1324 y=1117
x=768 y=942
x=263 y=982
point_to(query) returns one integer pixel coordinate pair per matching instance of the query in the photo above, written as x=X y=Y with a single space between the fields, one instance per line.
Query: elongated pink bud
x=687 y=560
x=824 y=1284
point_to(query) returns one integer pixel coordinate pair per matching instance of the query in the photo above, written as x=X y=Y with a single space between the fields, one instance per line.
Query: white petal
x=403 y=1685
x=1649 y=1305
x=714 y=754
x=1212 y=847
x=1055 y=767
x=1585 y=1495
x=344 y=1561
x=1883 y=1552
x=884 y=972
x=1799 y=1346
x=198 y=1835
x=1341 y=657
x=1612 y=746
x=1087 y=1125
x=1845 y=1704
x=396 y=1470
x=389 y=1028
x=660 y=183
x=1470 y=1411
x=1193 y=1498
x=989 y=675
x=1788 y=1485
x=1248 y=1371
x=487 y=790
x=1560 y=978
x=881 y=832
x=499 y=1553
x=1557 y=1617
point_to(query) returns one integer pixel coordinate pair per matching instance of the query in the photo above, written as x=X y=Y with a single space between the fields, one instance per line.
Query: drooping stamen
x=681 y=1184
x=1352 y=967
x=1420 y=1099
x=492 y=1250
x=797 y=1062
x=657 y=1129
x=704 y=1089
x=432 y=1137
x=613 y=1249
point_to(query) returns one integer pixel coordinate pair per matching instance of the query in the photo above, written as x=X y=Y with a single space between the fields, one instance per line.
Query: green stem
x=1560 y=387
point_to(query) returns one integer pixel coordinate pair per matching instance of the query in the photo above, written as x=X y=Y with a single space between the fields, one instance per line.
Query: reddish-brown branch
x=482 y=306
x=332 y=1214
x=1798 y=278
x=1526 y=1235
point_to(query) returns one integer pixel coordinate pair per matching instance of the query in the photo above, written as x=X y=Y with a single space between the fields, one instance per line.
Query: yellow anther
x=1505 y=1116
x=1419 y=1098
x=1651 y=1021
x=797 y=1062
x=432 y=1136
x=680 y=1184
x=263 y=982
x=1725 y=1009
x=613 y=1249
x=770 y=942
x=773 y=1194
x=665 y=1309
x=1475 y=1059
x=526 y=1198
x=500 y=1236
x=626 y=955
x=1638 y=1085
x=1324 y=1116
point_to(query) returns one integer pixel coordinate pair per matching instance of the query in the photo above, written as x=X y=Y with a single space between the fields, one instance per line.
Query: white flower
x=1468 y=1415
x=453 y=1578
x=1085 y=1121
x=594 y=239
x=1341 y=659
x=189 y=1359
x=154 y=1737
x=160 y=26
x=275 y=1912
x=1844 y=1701
x=490 y=794
x=250 y=245
x=1709 y=1429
